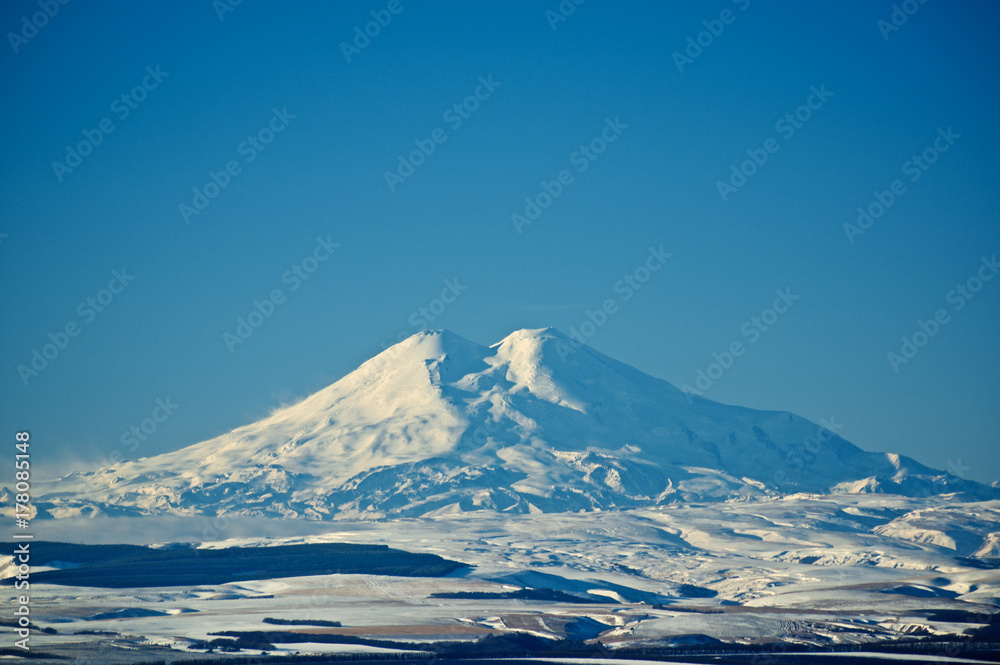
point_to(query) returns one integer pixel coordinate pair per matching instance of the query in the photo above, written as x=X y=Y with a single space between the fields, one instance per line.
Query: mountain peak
x=537 y=342
x=527 y=334
x=536 y=421
x=440 y=337
x=424 y=346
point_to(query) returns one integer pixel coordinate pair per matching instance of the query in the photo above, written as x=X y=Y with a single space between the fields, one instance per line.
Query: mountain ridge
x=535 y=422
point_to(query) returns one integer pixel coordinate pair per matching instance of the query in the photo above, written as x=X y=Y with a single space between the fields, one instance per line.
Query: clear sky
x=115 y=113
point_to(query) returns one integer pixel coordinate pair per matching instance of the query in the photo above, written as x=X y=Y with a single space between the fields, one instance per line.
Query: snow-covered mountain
x=534 y=423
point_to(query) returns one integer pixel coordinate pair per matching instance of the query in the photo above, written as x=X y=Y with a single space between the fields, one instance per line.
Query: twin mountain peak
x=535 y=423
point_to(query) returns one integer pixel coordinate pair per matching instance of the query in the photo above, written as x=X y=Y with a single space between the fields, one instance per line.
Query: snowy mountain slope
x=440 y=424
x=959 y=527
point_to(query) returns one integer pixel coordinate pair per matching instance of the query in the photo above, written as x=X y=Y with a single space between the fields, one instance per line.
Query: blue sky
x=272 y=82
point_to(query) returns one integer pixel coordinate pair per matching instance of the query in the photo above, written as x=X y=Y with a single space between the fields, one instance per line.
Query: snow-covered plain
x=809 y=569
